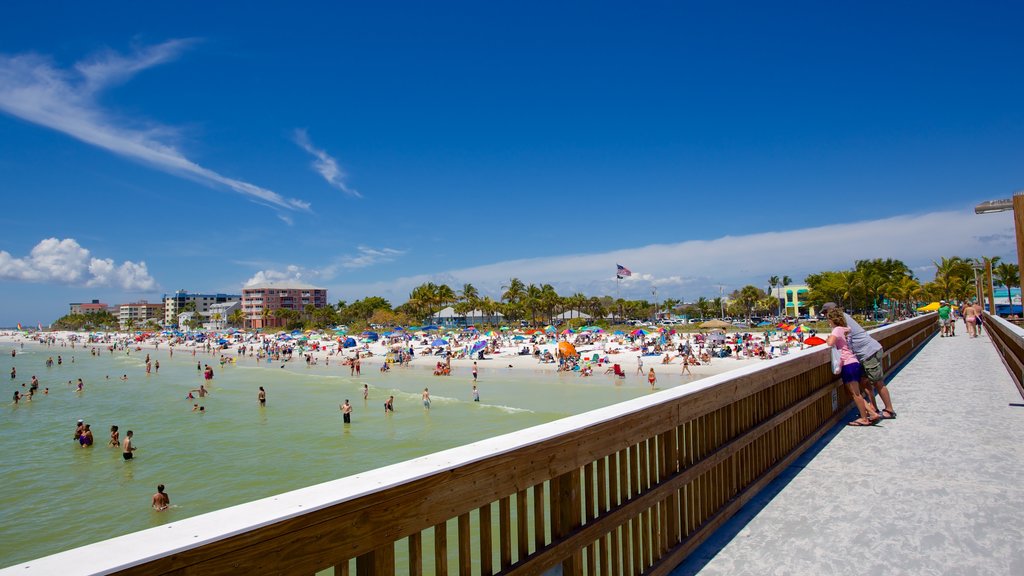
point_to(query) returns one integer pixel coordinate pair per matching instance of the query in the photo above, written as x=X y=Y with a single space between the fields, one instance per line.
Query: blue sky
x=371 y=147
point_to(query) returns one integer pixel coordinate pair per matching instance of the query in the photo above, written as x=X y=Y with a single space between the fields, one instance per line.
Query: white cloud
x=289 y=273
x=364 y=257
x=65 y=100
x=367 y=256
x=325 y=164
x=66 y=262
x=697 y=267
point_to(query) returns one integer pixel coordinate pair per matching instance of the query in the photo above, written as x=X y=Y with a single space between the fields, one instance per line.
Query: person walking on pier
x=869 y=352
x=944 y=320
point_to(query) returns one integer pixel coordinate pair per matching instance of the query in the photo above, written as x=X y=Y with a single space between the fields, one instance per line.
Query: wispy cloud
x=33 y=89
x=67 y=262
x=365 y=256
x=325 y=164
x=696 y=267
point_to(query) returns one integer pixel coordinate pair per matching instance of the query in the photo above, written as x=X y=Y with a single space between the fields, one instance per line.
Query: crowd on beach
x=460 y=352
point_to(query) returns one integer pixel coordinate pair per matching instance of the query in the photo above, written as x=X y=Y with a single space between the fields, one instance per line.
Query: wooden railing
x=1008 y=338
x=628 y=489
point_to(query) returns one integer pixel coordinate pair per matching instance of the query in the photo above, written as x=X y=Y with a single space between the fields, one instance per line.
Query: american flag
x=621 y=271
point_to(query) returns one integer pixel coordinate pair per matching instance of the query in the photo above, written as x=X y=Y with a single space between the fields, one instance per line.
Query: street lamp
x=1016 y=204
x=978 y=267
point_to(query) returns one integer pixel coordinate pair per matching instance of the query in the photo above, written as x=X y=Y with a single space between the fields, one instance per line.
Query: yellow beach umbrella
x=929 y=308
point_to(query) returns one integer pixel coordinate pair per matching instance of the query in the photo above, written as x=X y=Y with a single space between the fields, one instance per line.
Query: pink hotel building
x=274 y=295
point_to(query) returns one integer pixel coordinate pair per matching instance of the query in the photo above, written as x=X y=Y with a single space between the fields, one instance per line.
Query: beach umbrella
x=479 y=346
x=429 y=328
x=518 y=338
x=504 y=328
x=439 y=342
x=619 y=333
x=567 y=349
x=929 y=308
x=568 y=331
x=715 y=324
x=639 y=332
x=814 y=341
x=550 y=329
x=366 y=340
x=349 y=343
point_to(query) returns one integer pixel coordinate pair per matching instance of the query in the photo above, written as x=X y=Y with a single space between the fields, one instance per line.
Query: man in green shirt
x=944 y=316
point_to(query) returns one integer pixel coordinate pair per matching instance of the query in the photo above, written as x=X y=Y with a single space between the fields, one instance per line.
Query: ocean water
x=57 y=495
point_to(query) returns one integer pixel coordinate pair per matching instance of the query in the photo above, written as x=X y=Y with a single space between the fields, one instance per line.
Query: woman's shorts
x=851 y=373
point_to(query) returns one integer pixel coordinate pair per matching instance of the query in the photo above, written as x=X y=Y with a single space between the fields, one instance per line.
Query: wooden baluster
x=566 y=490
x=505 y=532
x=602 y=508
x=589 y=505
x=614 y=499
x=416 y=554
x=522 y=525
x=485 y=541
x=465 y=547
x=341 y=569
x=538 y=516
x=441 y=549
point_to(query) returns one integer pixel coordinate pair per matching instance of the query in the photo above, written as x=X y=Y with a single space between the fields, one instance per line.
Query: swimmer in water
x=161 y=501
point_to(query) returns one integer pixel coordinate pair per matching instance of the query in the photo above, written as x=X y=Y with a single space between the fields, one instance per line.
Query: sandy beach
x=503 y=351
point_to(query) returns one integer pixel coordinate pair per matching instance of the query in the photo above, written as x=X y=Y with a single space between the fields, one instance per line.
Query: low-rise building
x=136 y=315
x=449 y=317
x=219 y=313
x=88 y=307
x=796 y=300
x=178 y=302
x=261 y=301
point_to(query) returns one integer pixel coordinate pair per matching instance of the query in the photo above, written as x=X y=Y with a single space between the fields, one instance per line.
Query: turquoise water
x=57 y=495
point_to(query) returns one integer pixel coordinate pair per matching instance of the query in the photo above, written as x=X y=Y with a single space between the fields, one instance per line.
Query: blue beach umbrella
x=479 y=346
x=439 y=342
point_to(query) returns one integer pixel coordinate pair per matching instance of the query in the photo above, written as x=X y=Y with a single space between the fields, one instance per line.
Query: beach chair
x=618 y=371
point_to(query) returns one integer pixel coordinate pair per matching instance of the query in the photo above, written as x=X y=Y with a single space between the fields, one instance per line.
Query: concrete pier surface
x=938 y=490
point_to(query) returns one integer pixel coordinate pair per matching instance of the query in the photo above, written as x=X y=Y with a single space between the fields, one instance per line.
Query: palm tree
x=670 y=304
x=1008 y=276
x=703 y=307
x=549 y=300
x=470 y=295
x=772 y=283
x=514 y=291
x=488 y=306
x=237 y=318
x=532 y=300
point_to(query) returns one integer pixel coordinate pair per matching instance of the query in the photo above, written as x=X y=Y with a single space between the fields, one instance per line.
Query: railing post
x=566 y=490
